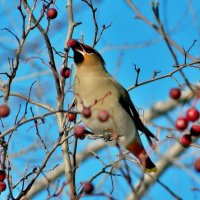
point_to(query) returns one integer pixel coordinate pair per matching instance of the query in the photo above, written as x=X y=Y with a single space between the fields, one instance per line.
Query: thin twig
x=166 y=75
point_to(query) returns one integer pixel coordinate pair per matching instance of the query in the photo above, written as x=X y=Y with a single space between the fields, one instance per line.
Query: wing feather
x=126 y=103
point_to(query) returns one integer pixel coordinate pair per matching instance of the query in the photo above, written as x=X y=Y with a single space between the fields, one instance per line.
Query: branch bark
x=41 y=184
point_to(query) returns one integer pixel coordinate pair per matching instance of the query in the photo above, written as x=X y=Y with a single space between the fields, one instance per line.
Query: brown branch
x=166 y=75
x=155 y=8
x=97 y=35
x=60 y=100
x=41 y=184
x=38 y=172
x=137 y=75
x=37 y=103
x=96 y=27
x=24 y=121
x=38 y=133
x=48 y=44
x=161 y=31
x=15 y=64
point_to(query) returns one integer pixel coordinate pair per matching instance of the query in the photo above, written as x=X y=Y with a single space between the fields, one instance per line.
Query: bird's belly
x=100 y=99
x=119 y=124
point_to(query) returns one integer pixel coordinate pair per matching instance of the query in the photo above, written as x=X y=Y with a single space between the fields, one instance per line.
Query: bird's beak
x=83 y=52
x=79 y=50
x=80 y=47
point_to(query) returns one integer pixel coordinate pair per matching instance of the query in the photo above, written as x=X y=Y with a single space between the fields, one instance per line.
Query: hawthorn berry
x=2 y=175
x=103 y=115
x=88 y=187
x=65 y=72
x=71 y=117
x=181 y=123
x=197 y=164
x=86 y=112
x=192 y=114
x=175 y=93
x=2 y=186
x=195 y=130
x=185 y=140
x=4 y=110
x=71 y=43
x=79 y=132
x=52 y=13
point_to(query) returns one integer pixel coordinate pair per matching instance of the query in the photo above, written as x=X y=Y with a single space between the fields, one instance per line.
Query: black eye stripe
x=89 y=50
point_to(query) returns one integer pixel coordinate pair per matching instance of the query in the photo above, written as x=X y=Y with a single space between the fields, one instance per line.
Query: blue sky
x=127 y=42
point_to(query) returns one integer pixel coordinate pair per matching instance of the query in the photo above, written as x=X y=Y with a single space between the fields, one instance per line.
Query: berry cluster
x=2 y=178
x=192 y=115
x=181 y=124
x=80 y=131
x=4 y=112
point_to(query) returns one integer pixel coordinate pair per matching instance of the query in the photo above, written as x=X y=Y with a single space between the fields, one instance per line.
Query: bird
x=96 y=89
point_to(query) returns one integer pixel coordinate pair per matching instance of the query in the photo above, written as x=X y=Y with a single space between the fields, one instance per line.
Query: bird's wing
x=126 y=103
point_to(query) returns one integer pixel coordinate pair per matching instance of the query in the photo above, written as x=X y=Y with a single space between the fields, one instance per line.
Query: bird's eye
x=88 y=49
x=78 y=57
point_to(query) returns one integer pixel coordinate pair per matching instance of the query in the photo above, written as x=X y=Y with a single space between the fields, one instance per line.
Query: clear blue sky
x=127 y=42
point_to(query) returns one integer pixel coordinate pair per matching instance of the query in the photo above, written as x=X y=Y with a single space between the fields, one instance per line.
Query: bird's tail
x=137 y=149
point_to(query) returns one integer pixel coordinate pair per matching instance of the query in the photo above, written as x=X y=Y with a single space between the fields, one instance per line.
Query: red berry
x=86 y=112
x=52 y=13
x=175 y=93
x=181 y=123
x=2 y=175
x=197 y=164
x=192 y=114
x=65 y=72
x=103 y=115
x=4 y=110
x=195 y=130
x=72 y=43
x=71 y=117
x=2 y=186
x=185 y=140
x=88 y=188
x=79 y=132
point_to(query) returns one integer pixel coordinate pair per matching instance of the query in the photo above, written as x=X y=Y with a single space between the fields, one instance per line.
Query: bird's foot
x=108 y=136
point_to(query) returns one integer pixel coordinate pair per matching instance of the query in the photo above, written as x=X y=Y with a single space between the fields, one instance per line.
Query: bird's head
x=85 y=55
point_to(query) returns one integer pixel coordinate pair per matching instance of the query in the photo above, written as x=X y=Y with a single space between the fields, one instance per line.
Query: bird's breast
x=94 y=91
x=100 y=93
